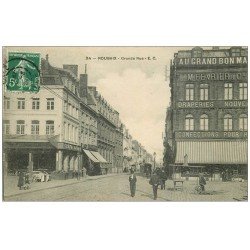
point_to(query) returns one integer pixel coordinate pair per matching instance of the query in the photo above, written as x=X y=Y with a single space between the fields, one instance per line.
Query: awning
x=212 y=152
x=98 y=157
x=91 y=157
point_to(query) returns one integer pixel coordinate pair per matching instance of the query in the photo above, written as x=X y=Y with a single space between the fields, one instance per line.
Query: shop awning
x=212 y=152
x=98 y=157
x=90 y=156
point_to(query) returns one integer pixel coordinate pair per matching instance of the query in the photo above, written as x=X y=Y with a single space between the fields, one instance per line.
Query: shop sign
x=68 y=146
x=211 y=60
x=214 y=76
x=210 y=134
x=213 y=104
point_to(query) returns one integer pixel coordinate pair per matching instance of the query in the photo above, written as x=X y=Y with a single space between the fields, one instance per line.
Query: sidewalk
x=11 y=189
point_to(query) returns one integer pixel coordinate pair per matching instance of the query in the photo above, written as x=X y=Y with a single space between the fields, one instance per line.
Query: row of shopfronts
x=42 y=153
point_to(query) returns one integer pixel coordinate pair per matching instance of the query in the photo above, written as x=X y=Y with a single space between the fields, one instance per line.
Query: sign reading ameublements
x=211 y=60
x=210 y=134
x=211 y=76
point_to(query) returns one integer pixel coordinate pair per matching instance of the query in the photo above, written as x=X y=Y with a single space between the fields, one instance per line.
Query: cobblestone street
x=116 y=188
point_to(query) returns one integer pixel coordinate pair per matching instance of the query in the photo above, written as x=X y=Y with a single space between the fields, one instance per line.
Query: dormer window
x=235 y=51
x=197 y=52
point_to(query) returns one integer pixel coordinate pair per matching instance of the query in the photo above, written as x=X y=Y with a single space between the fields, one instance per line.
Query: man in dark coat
x=132 y=181
x=21 y=180
x=163 y=178
x=154 y=181
x=202 y=182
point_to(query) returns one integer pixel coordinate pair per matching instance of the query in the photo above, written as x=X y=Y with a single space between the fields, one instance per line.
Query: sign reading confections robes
x=210 y=134
x=211 y=61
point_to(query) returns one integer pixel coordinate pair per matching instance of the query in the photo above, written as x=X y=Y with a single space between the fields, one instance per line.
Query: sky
x=137 y=89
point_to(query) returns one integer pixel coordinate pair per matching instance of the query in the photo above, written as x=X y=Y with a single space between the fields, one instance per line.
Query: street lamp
x=154 y=154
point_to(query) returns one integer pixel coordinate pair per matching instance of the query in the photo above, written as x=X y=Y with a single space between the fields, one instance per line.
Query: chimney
x=73 y=68
x=46 y=64
x=83 y=85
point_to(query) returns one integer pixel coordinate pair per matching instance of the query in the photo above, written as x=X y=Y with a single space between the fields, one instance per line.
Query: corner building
x=207 y=119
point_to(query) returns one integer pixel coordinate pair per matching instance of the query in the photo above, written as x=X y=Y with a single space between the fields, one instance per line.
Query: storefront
x=94 y=163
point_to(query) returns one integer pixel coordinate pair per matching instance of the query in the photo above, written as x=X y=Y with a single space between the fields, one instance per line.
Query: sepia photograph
x=125 y=124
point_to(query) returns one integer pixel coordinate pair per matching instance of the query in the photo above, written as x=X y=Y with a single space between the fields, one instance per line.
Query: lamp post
x=154 y=154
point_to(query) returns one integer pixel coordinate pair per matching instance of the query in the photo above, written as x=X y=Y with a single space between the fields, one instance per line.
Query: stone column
x=59 y=158
x=30 y=167
x=5 y=164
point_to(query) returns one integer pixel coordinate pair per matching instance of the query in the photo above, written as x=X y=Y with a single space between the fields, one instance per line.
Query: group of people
x=158 y=178
x=23 y=180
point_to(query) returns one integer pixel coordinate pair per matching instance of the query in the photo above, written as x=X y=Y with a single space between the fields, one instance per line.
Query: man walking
x=132 y=182
x=202 y=182
x=154 y=181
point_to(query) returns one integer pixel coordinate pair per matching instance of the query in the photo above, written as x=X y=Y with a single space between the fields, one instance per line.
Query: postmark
x=23 y=72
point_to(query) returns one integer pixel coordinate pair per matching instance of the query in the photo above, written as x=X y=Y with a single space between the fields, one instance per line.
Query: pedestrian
x=154 y=181
x=163 y=177
x=132 y=182
x=21 y=180
x=202 y=182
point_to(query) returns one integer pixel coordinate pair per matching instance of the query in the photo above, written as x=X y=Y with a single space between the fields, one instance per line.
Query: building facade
x=41 y=130
x=107 y=126
x=54 y=129
x=207 y=119
x=119 y=147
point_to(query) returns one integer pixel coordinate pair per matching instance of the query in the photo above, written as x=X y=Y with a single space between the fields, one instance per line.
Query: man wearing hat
x=132 y=182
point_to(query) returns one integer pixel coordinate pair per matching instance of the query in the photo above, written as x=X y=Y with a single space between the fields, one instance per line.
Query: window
x=235 y=51
x=35 y=127
x=6 y=127
x=70 y=109
x=35 y=103
x=65 y=106
x=6 y=103
x=197 y=52
x=243 y=91
x=204 y=122
x=50 y=127
x=228 y=123
x=73 y=133
x=228 y=91
x=243 y=122
x=65 y=131
x=20 y=103
x=20 y=127
x=204 y=92
x=68 y=132
x=50 y=103
x=189 y=92
x=189 y=123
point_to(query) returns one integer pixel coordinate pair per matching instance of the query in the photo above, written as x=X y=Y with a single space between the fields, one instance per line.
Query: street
x=116 y=188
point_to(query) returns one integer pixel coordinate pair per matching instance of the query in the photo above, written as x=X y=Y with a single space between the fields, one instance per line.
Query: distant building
x=127 y=149
x=207 y=119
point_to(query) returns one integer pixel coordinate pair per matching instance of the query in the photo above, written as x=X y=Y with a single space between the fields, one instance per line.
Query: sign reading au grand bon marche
x=211 y=60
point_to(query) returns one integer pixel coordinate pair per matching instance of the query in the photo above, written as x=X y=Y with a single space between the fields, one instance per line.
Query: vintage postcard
x=125 y=124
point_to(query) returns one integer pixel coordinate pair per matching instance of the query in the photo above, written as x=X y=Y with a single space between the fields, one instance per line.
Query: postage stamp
x=23 y=72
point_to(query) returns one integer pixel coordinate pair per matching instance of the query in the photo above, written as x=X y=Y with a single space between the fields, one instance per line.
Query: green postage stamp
x=23 y=72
